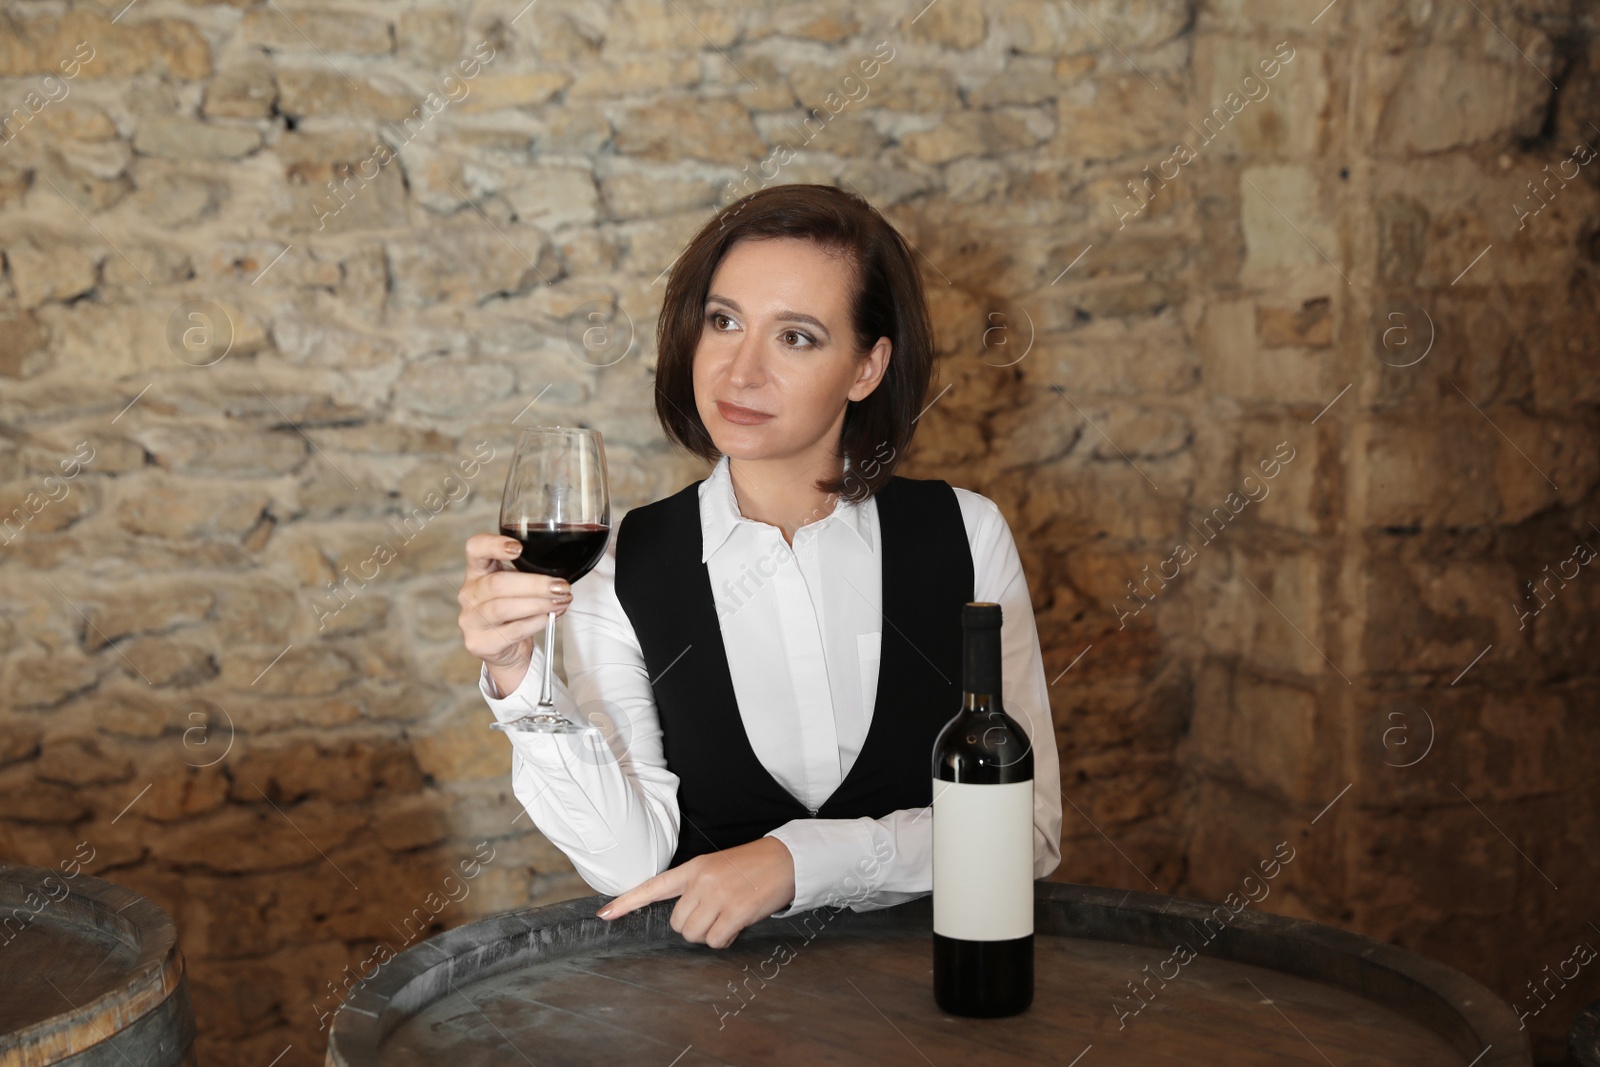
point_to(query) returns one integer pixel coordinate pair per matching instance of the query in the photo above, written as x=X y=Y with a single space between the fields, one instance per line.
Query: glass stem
x=546 y=702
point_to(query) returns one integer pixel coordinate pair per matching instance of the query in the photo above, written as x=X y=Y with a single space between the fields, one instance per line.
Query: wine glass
x=557 y=504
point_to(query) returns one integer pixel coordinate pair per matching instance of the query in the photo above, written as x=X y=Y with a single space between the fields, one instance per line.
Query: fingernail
x=512 y=546
x=605 y=912
x=558 y=587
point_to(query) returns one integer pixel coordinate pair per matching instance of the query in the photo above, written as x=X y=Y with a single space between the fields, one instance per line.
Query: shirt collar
x=719 y=512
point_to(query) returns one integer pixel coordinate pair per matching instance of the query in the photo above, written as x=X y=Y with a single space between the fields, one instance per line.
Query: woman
x=779 y=643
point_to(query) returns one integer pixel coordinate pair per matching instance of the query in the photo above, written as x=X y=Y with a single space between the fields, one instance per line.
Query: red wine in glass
x=566 y=551
x=557 y=505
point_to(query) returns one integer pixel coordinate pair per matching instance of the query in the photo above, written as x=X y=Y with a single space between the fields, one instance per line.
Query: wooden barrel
x=90 y=975
x=558 y=985
x=1583 y=1043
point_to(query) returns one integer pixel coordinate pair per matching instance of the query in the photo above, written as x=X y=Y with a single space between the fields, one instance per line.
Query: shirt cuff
x=826 y=871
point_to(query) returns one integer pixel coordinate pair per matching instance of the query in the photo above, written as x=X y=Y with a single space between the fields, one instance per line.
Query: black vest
x=725 y=796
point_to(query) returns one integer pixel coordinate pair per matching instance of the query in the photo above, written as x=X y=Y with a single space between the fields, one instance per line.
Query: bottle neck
x=980 y=666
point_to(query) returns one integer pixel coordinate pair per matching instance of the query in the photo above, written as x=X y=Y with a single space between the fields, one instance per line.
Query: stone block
x=179 y=137
x=555 y=197
x=240 y=838
x=1266 y=737
x=23 y=343
x=1288 y=230
x=461 y=747
x=428 y=37
x=714 y=130
x=44 y=267
x=650 y=25
x=170 y=198
x=308 y=29
x=69 y=122
x=303 y=670
x=975 y=133
x=19 y=739
x=413 y=822
x=315 y=91
x=1052 y=29
x=220 y=449
x=84 y=760
x=1309 y=325
x=1239 y=111
x=1117 y=116
x=339 y=769
x=1402 y=241
x=44 y=681
x=176 y=508
x=106 y=341
x=1417 y=867
x=41 y=44
x=642 y=195
x=1259 y=837
x=1565 y=620
x=1235 y=362
x=1288 y=629
x=184 y=792
x=349 y=610
x=1436 y=98
x=627 y=75
x=1435 y=615
x=491 y=92
x=1024 y=80
x=151 y=605
x=1439 y=473
x=45 y=505
x=259 y=612
x=958 y=26
x=1286 y=488
x=168 y=661
x=244 y=89
x=1542 y=461
x=470 y=266
x=24 y=799
x=1560 y=367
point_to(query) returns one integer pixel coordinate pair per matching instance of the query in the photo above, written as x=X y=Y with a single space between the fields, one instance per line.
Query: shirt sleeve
x=867 y=863
x=603 y=796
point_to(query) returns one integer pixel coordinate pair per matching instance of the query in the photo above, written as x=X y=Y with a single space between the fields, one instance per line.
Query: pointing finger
x=669 y=883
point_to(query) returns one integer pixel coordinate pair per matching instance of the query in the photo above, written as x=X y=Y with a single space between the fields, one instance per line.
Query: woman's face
x=776 y=339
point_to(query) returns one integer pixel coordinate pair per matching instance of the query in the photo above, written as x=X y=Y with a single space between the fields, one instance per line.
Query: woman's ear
x=870 y=370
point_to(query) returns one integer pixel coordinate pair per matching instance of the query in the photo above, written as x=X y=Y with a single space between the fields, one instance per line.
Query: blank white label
x=982 y=860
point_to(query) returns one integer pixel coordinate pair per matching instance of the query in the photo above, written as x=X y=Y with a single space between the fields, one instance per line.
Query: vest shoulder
x=657 y=509
x=916 y=488
x=651 y=527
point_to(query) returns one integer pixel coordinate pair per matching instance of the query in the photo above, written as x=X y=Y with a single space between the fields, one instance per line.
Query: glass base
x=540 y=723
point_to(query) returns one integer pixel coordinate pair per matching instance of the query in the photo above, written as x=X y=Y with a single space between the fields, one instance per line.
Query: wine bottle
x=982 y=840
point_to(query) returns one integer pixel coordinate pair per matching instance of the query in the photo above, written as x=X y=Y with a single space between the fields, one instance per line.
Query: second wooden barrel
x=90 y=975
x=1583 y=1043
x=558 y=985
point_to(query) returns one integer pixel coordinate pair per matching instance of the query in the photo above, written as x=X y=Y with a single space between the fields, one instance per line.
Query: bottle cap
x=978 y=614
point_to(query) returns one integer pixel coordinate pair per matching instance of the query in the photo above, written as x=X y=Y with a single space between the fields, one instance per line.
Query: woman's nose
x=746 y=368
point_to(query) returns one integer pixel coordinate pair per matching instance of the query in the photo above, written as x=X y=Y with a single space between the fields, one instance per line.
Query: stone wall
x=1248 y=321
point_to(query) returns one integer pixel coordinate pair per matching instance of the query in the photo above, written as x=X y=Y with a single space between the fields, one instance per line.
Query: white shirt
x=802 y=629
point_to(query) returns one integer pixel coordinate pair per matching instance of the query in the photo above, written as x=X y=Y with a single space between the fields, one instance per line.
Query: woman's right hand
x=504 y=610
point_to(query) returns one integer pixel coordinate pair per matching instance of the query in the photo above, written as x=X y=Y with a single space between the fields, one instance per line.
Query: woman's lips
x=742 y=416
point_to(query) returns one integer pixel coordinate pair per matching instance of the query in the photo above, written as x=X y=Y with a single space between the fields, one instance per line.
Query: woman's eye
x=715 y=318
x=786 y=334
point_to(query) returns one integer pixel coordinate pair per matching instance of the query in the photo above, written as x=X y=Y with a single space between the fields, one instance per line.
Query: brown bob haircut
x=887 y=302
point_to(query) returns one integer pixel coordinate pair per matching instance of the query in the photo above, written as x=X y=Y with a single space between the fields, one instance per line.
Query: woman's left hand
x=719 y=893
